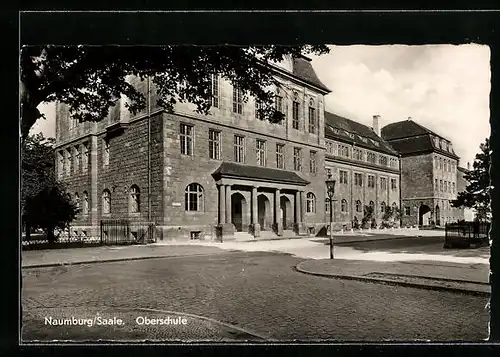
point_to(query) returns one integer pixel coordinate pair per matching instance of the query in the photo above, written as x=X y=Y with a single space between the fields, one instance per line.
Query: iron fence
x=466 y=233
x=124 y=231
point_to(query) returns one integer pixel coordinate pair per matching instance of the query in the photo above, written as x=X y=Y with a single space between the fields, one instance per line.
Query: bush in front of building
x=368 y=218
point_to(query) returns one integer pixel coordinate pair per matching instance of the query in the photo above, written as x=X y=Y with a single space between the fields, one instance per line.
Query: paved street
x=240 y=295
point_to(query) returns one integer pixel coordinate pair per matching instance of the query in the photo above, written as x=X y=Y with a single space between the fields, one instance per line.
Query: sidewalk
x=55 y=257
x=434 y=275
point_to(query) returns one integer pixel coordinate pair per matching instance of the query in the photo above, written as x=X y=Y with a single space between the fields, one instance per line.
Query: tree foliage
x=88 y=79
x=477 y=191
x=44 y=201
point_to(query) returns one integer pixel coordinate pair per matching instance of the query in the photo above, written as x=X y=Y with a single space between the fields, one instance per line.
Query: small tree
x=368 y=217
x=44 y=201
x=355 y=223
x=477 y=192
x=51 y=208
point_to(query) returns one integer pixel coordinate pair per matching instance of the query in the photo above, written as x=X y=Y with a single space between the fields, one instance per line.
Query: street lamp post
x=330 y=191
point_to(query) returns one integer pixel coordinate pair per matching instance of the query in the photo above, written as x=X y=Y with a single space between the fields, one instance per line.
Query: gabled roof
x=303 y=69
x=404 y=129
x=335 y=125
x=234 y=170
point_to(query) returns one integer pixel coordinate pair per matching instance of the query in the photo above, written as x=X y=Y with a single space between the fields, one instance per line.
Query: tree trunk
x=29 y=111
x=50 y=234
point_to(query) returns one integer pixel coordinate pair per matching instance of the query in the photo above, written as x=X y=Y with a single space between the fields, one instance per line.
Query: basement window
x=195 y=235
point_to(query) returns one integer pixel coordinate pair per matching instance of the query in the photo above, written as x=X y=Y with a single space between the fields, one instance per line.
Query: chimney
x=376 y=124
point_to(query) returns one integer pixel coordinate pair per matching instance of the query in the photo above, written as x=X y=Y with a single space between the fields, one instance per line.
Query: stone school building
x=229 y=174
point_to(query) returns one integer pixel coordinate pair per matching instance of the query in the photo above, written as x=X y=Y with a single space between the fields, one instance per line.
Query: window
x=383 y=183
x=85 y=208
x=393 y=163
x=371 y=181
x=370 y=157
x=357 y=154
x=393 y=184
x=297 y=159
x=407 y=211
x=343 y=176
x=394 y=206
x=440 y=163
x=106 y=202
x=77 y=200
x=436 y=163
x=214 y=144
x=382 y=207
x=295 y=114
x=105 y=152
x=239 y=148
x=372 y=206
x=358 y=180
x=343 y=205
x=329 y=147
x=358 y=206
x=60 y=166
x=135 y=199
x=436 y=187
x=194 y=198
x=214 y=90
x=312 y=117
x=258 y=107
x=310 y=203
x=261 y=152
x=85 y=157
x=312 y=162
x=77 y=159
x=382 y=160
x=237 y=101
x=186 y=136
x=453 y=188
x=280 y=156
x=441 y=185
x=68 y=161
x=344 y=150
x=278 y=104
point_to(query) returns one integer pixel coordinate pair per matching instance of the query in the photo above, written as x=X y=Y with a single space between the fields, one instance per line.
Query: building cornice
x=364 y=165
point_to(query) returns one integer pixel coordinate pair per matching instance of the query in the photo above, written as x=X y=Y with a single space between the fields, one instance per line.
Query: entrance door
x=263 y=209
x=424 y=214
x=286 y=215
x=238 y=204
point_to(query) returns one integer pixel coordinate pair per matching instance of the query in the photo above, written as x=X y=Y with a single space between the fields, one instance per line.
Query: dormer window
x=436 y=142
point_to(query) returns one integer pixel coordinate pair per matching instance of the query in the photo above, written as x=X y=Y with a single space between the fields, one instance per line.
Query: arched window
x=372 y=205
x=106 y=202
x=194 y=198
x=135 y=199
x=358 y=206
x=310 y=203
x=394 y=205
x=382 y=207
x=343 y=205
x=77 y=200
x=85 y=209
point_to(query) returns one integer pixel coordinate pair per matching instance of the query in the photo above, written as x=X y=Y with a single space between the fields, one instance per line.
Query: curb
x=368 y=240
x=49 y=265
x=392 y=282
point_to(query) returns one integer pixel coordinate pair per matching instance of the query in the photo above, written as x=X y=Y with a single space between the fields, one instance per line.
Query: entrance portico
x=254 y=199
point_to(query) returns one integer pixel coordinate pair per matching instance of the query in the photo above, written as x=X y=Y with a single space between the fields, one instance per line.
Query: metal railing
x=124 y=231
x=466 y=233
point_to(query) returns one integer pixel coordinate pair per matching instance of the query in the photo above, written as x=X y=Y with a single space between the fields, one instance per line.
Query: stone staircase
x=243 y=236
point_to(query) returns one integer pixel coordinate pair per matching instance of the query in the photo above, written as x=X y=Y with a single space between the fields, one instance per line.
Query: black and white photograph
x=255 y=194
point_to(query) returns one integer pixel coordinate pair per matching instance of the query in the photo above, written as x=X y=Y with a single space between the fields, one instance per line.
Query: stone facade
x=116 y=165
x=429 y=175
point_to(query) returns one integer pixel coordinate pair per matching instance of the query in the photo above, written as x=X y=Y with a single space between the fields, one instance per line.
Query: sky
x=442 y=87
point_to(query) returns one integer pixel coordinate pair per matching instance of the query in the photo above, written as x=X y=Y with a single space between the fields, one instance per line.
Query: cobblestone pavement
x=259 y=292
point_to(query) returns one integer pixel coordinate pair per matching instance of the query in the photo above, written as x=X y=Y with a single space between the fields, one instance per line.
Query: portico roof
x=258 y=173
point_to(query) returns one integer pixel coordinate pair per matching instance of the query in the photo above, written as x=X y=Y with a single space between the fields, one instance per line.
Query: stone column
x=255 y=221
x=297 y=208
x=299 y=217
x=222 y=204
x=302 y=206
x=228 y=204
x=278 y=220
